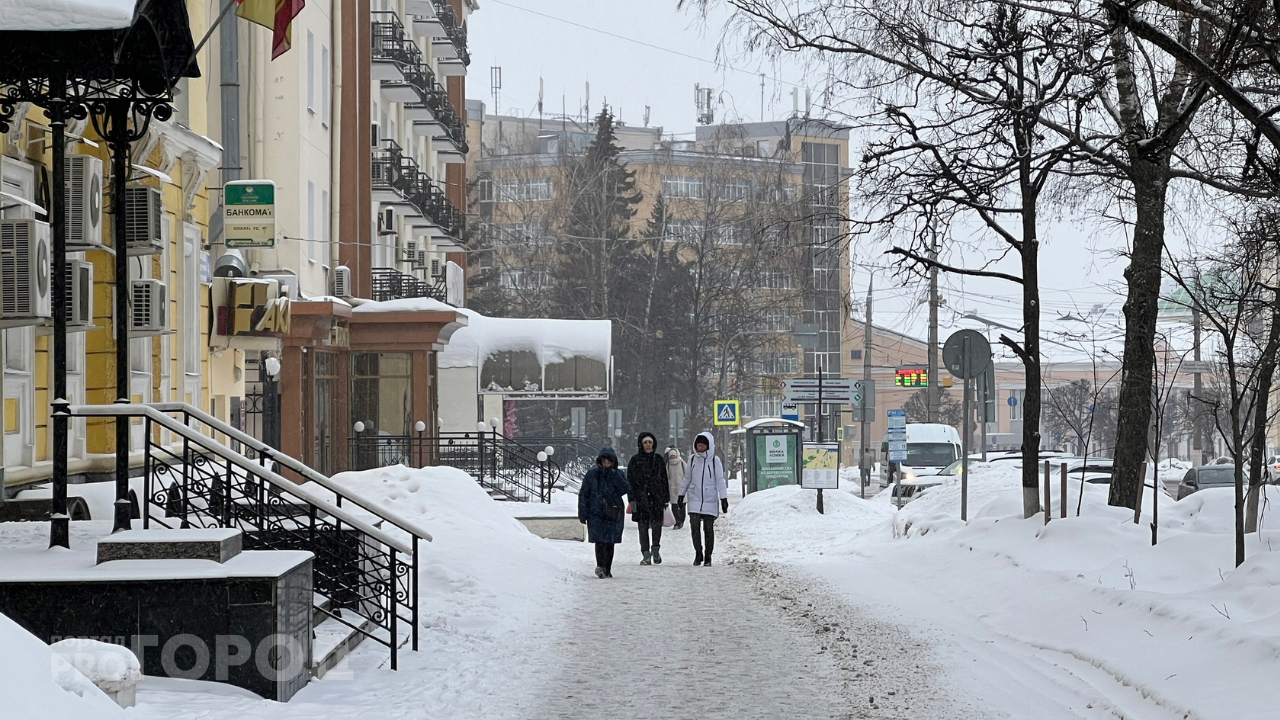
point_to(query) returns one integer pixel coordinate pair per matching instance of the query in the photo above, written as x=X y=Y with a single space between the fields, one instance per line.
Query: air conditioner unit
x=24 y=270
x=435 y=265
x=79 y=295
x=342 y=281
x=84 y=202
x=150 y=308
x=143 y=208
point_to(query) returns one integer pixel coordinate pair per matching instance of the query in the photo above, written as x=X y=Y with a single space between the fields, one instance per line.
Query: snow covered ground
x=1082 y=618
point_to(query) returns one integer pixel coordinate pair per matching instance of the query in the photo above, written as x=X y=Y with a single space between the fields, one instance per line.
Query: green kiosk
x=773 y=453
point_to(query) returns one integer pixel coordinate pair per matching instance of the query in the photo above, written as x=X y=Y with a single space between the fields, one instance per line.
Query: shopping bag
x=628 y=508
x=668 y=519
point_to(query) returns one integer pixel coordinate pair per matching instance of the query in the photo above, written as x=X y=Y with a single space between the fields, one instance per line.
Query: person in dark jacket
x=650 y=493
x=600 y=508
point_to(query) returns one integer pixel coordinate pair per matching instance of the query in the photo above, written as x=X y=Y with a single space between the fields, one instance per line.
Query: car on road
x=1205 y=477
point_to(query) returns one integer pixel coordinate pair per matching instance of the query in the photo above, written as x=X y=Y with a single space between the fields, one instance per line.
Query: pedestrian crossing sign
x=727 y=412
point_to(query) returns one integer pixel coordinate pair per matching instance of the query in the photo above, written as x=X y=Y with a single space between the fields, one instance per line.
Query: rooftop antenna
x=808 y=104
x=540 y=88
x=495 y=86
x=703 y=100
x=646 y=116
x=586 y=106
x=761 y=97
x=795 y=101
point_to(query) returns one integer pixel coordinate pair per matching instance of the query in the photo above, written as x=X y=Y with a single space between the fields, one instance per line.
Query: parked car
x=1273 y=468
x=1206 y=476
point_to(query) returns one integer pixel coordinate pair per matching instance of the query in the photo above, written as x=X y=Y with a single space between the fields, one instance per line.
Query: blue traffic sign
x=1013 y=401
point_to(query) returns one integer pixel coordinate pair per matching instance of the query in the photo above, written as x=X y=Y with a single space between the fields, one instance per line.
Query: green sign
x=775 y=460
x=249 y=214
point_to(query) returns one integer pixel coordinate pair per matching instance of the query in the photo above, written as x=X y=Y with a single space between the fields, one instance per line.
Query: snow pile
x=38 y=683
x=483 y=569
x=64 y=15
x=553 y=341
x=1174 y=630
x=422 y=304
x=109 y=667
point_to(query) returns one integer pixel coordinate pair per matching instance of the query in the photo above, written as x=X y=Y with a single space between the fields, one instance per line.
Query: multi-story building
x=360 y=128
x=167 y=233
x=777 y=185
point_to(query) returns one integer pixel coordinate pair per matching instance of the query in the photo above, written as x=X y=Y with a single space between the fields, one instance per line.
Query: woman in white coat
x=707 y=496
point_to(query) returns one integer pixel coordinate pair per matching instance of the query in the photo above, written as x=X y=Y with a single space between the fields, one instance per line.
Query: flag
x=275 y=14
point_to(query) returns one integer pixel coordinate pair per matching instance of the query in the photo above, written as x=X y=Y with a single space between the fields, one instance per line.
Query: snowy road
x=736 y=640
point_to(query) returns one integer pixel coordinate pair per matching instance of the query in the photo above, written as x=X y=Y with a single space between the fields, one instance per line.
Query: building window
x=324 y=219
x=687 y=231
x=485 y=188
x=518 y=190
x=382 y=392
x=531 y=234
x=736 y=191
x=524 y=279
x=311 y=220
x=311 y=72
x=776 y=280
x=324 y=86
x=676 y=186
x=775 y=320
x=1015 y=408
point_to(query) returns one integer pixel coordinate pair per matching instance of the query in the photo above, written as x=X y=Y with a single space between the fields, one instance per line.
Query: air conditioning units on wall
x=84 y=202
x=79 y=295
x=24 y=271
x=143 y=215
x=149 y=311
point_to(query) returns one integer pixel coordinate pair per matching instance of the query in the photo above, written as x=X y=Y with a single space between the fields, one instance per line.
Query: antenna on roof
x=646 y=116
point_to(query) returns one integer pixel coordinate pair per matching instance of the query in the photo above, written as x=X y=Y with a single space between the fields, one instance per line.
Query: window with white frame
x=324 y=86
x=524 y=279
x=311 y=220
x=532 y=234
x=325 y=222
x=777 y=280
x=522 y=190
x=1015 y=407
x=683 y=186
x=758 y=406
x=738 y=190
x=485 y=187
x=311 y=72
x=777 y=320
x=688 y=231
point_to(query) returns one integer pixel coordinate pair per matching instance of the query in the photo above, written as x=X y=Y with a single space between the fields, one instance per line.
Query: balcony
x=454 y=44
x=406 y=78
x=390 y=47
x=397 y=180
x=391 y=284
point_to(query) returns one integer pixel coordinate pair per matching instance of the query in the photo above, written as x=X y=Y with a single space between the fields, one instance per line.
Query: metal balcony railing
x=391 y=284
x=393 y=169
x=453 y=30
x=390 y=43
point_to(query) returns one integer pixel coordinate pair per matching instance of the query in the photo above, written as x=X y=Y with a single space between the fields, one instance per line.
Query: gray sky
x=637 y=53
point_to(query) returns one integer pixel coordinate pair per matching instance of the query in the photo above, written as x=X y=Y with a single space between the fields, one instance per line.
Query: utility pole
x=1199 y=452
x=865 y=428
x=931 y=390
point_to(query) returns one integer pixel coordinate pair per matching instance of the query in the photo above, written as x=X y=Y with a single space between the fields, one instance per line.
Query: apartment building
x=731 y=182
x=359 y=127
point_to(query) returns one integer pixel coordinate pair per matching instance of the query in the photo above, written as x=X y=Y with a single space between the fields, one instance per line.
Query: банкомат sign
x=249 y=214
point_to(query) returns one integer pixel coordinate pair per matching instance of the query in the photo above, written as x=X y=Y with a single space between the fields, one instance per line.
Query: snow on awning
x=422 y=304
x=64 y=15
x=533 y=356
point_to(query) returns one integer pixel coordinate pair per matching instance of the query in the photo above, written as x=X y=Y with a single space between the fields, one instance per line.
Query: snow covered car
x=1205 y=477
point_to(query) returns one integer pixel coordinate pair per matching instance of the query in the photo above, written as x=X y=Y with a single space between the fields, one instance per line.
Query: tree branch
x=929 y=262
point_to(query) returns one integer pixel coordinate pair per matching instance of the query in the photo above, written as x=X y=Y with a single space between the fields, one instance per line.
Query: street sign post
x=967 y=355
x=821 y=469
x=790 y=411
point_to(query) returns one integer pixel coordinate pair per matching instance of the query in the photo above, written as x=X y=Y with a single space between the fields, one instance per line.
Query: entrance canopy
x=534 y=358
x=98 y=40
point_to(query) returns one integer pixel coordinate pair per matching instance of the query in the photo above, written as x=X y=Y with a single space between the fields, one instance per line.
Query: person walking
x=647 y=475
x=704 y=485
x=600 y=508
x=675 y=476
x=865 y=463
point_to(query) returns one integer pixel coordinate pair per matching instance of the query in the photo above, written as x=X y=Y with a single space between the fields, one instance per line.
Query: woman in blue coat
x=600 y=508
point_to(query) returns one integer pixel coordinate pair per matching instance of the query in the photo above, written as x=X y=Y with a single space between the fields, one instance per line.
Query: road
x=735 y=640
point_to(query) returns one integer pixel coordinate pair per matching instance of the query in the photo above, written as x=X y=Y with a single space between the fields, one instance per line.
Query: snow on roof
x=422 y=304
x=553 y=341
x=63 y=15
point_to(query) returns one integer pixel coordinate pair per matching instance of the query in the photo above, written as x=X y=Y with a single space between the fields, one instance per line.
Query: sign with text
x=249 y=214
x=775 y=460
x=911 y=377
x=821 y=469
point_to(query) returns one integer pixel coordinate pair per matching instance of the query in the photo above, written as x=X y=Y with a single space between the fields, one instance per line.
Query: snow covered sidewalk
x=735 y=640
x=1082 y=618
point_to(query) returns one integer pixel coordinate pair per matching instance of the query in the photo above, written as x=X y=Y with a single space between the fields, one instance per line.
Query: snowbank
x=38 y=683
x=1174 y=628
x=422 y=304
x=483 y=567
x=111 y=668
x=60 y=15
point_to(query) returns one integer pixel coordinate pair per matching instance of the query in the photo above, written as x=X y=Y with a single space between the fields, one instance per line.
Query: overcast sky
x=638 y=53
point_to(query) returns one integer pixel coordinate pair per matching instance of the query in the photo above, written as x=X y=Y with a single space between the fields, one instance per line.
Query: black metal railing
x=368 y=578
x=390 y=43
x=453 y=30
x=391 y=284
x=504 y=466
x=574 y=456
x=393 y=169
